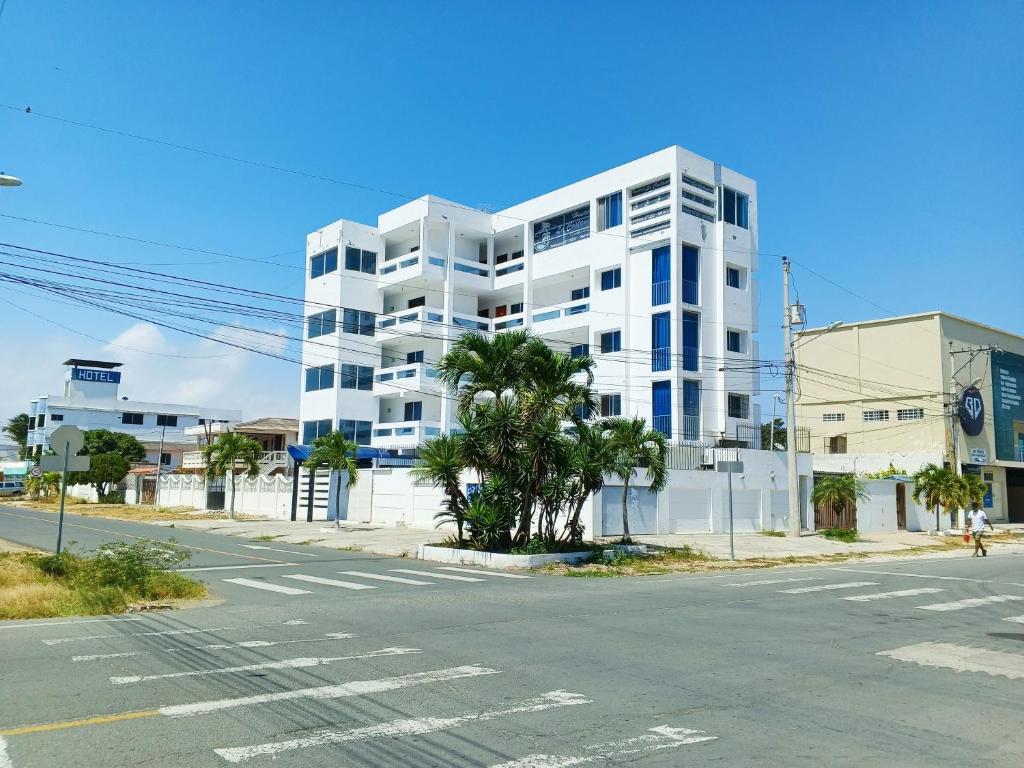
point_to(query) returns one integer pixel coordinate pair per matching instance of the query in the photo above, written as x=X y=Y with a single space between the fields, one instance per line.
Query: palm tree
x=442 y=467
x=17 y=429
x=632 y=446
x=590 y=459
x=476 y=365
x=339 y=454
x=937 y=486
x=230 y=451
x=974 y=490
x=838 y=491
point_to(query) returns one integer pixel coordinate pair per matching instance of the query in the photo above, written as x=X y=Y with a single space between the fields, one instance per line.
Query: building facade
x=90 y=401
x=648 y=267
x=907 y=391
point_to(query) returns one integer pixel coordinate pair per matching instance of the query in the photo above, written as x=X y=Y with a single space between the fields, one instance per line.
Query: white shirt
x=978 y=521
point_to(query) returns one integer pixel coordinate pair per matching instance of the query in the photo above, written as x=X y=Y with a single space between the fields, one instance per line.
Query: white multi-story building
x=90 y=401
x=648 y=267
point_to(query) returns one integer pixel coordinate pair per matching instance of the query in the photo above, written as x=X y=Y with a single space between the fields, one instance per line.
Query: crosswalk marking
x=354 y=688
x=219 y=646
x=268 y=587
x=823 y=587
x=286 y=551
x=235 y=567
x=897 y=593
x=961 y=658
x=382 y=577
x=327 y=582
x=430 y=575
x=662 y=737
x=501 y=574
x=762 y=582
x=970 y=602
x=405 y=727
x=300 y=663
x=5 y=760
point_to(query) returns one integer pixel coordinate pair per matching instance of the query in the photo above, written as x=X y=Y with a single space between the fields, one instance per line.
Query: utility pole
x=954 y=408
x=793 y=480
x=159 y=465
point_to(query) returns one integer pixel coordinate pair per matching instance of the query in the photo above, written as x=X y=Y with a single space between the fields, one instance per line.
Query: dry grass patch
x=130 y=512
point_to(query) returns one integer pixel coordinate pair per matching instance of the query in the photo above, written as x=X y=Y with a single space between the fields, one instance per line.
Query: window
x=835 y=444
x=611 y=405
x=694 y=212
x=360 y=261
x=358 y=322
x=414 y=411
x=582 y=412
x=356 y=377
x=691 y=341
x=311 y=430
x=698 y=184
x=833 y=417
x=649 y=215
x=661 y=341
x=739 y=406
x=356 y=431
x=660 y=275
x=165 y=459
x=562 y=229
x=40 y=421
x=321 y=324
x=419 y=301
x=609 y=211
x=697 y=199
x=611 y=279
x=323 y=263
x=734 y=207
x=414 y=357
x=516 y=308
x=650 y=229
x=691 y=275
x=736 y=341
x=321 y=377
x=131 y=418
x=32 y=422
x=909 y=414
x=691 y=410
x=640 y=204
x=645 y=188
x=163 y=420
x=578 y=294
x=611 y=341
x=876 y=415
x=661 y=406
x=735 y=277
x=57 y=417
x=579 y=350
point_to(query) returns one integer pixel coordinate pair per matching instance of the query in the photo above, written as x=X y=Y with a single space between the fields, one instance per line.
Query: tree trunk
x=231 y=505
x=937 y=528
x=574 y=519
x=625 y=513
x=337 y=503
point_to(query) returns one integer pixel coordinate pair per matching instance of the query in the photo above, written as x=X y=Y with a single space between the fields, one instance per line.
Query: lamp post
x=9 y=181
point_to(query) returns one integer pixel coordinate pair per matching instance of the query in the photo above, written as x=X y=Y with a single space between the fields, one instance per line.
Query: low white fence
x=267 y=496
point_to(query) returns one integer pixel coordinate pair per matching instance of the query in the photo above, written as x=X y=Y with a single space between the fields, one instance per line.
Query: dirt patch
x=11 y=547
x=128 y=512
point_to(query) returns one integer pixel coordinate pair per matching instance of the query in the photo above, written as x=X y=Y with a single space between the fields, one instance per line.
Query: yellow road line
x=98 y=720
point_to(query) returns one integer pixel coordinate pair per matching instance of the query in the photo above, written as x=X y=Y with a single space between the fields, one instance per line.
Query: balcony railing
x=405 y=375
x=411 y=316
x=691 y=291
x=660 y=292
x=691 y=359
x=566 y=309
x=663 y=424
x=691 y=427
x=268 y=461
x=1020 y=453
x=661 y=359
x=405 y=433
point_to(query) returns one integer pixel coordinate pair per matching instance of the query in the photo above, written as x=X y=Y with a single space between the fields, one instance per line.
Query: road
x=320 y=657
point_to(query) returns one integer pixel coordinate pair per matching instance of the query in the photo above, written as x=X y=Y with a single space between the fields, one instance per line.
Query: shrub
x=114 y=497
x=847 y=535
x=131 y=567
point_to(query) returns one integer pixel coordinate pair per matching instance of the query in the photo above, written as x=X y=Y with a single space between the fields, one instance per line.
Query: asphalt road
x=917 y=663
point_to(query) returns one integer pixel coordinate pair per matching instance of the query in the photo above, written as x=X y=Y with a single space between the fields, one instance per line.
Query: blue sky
x=885 y=139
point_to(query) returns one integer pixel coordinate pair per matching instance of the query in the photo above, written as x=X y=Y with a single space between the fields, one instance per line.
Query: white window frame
x=876 y=414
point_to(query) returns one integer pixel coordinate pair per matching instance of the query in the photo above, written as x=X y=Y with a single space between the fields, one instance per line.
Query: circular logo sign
x=972 y=411
x=36 y=471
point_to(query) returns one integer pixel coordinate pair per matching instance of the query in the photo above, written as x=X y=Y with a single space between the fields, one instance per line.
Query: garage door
x=642 y=506
x=746 y=511
x=689 y=510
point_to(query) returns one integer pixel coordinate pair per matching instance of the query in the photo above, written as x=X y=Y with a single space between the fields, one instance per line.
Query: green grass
x=846 y=535
x=773 y=534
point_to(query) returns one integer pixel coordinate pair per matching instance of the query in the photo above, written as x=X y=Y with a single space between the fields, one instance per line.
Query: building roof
x=268 y=424
x=914 y=316
x=92 y=363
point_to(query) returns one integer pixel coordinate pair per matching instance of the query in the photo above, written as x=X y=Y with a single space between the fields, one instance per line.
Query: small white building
x=90 y=401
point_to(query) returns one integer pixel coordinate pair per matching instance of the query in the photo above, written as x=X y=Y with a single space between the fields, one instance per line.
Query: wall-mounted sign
x=972 y=411
x=561 y=230
x=1007 y=402
x=92 y=374
x=979 y=456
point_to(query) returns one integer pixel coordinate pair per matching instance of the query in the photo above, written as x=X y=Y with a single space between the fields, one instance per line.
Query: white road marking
x=430 y=575
x=970 y=602
x=871 y=572
x=396 y=728
x=5 y=759
x=327 y=582
x=268 y=587
x=59 y=640
x=482 y=572
x=662 y=737
x=67 y=623
x=219 y=646
x=286 y=551
x=382 y=577
x=961 y=658
x=771 y=581
x=236 y=567
x=97 y=656
x=300 y=663
x=355 y=688
x=823 y=587
x=897 y=593
x=1018 y=619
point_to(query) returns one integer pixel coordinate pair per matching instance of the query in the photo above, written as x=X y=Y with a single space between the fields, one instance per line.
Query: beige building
x=898 y=391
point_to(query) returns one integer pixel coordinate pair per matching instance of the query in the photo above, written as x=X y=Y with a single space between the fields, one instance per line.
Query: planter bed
x=496 y=559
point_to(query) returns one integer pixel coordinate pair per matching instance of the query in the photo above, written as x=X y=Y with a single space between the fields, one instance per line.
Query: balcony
x=396 y=269
x=415 y=377
x=418 y=321
x=661 y=358
x=269 y=461
x=507 y=322
x=560 y=317
x=404 y=434
x=660 y=292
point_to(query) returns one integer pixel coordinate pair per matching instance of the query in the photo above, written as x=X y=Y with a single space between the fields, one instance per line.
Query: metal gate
x=215 y=493
x=148 y=490
x=835 y=516
x=901 y=507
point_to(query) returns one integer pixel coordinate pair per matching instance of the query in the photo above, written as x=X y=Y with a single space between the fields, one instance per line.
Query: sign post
x=729 y=467
x=66 y=441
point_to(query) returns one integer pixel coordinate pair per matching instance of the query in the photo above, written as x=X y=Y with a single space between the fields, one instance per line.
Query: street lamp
x=9 y=181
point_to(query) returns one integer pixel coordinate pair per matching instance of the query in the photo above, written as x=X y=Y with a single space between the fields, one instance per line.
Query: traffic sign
x=66 y=433
x=36 y=471
x=56 y=463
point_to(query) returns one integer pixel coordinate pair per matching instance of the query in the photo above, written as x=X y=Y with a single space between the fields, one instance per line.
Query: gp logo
x=973 y=407
x=972 y=411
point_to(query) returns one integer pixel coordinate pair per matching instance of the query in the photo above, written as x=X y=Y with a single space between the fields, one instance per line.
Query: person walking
x=979 y=520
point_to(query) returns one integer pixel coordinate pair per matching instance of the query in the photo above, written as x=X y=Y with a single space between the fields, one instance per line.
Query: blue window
x=311 y=430
x=660 y=275
x=323 y=263
x=562 y=229
x=359 y=260
x=611 y=405
x=414 y=357
x=661 y=342
x=356 y=431
x=413 y=411
x=691 y=410
x=356 y=377
x=611 y=341
x=579 y=350
x=661 y=398
x=691 y=275
x=611 y=278
x=321 y=324
x=321 y=377
x=734 y=207
x=580 y=293
x=691 y=341
x=609 y=211
x=356 y=321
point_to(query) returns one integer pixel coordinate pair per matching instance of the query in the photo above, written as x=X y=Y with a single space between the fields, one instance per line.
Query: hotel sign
x=92 y=374
x=972 y=411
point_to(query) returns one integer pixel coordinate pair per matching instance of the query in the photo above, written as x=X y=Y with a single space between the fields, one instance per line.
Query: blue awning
x=301 y=452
